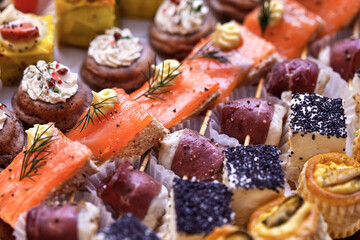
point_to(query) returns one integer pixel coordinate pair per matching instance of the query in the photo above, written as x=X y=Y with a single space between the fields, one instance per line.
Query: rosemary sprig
x=158 y=81
x=264 y=15
x=205 y=52
x=94 y=111
x=35 y=157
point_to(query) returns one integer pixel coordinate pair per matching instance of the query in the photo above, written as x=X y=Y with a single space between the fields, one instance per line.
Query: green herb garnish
x=264 y=15
x=35 y=157
x=158 y=81
x=94 y=111
x=205 y=52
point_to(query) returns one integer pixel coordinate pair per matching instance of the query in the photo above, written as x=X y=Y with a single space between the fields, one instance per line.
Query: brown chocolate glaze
x=130 y=78
x=226 y=10
x=345 y=57
x=247 y=116
x=179 y=46
x=198 y=156
x=52 y=222
x=12 y=138
x=65 y=115
x=295 y=75
x=129 y=191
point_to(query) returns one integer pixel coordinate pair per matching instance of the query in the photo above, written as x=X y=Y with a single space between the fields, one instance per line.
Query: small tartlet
x=305 y=223
x=340 y=210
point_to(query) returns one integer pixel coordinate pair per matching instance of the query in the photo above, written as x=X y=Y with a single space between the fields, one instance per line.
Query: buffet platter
x=179 y=119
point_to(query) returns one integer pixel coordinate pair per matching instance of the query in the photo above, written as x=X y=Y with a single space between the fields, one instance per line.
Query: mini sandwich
x=114 y=125
x=175 y=92
x=259 y=118
x=343 y=56
x=132 y=191
x=127 y=227
x=317 y=125
x=254 y=175
x=187 y=153
x=196 y=208
x=50 y=165
x=298 y=76
x=71 y=221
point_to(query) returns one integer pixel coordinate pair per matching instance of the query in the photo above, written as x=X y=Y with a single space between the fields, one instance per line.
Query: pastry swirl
x=329 y=181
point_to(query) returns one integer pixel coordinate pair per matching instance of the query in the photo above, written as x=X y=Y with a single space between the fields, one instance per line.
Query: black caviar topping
x=315 y=113
x=128 y=227
x=201 y=206
x=254 y=167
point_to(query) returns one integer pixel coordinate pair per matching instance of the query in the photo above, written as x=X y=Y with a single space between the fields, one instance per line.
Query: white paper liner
x=160 y=173
x=336 y=88
x=238 y=93
x=105 y=216
x=20 y=227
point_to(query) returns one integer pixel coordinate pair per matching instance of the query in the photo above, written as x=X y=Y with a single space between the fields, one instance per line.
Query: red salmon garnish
x=19 y=32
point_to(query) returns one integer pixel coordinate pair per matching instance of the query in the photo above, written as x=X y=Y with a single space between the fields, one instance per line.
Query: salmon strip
x=64 y=162
x=189 y=91
x=292 y=33
x=241 y=60
x=107 y=137
x=335 y=13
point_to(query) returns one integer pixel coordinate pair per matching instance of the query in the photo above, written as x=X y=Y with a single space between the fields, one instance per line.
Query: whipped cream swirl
x=115 y=48
x=11 y=17
x=49 y=82
x=3 y=116
x=181 y=16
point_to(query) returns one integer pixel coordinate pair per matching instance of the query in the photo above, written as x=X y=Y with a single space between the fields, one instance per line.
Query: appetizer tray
x=208 y=143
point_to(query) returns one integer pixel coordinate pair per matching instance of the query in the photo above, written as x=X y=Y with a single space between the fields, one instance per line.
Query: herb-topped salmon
x=51 y=164
x=230 y=62
x=116 y=125
x=176 y=92
x=335 y=13
x=286 y=24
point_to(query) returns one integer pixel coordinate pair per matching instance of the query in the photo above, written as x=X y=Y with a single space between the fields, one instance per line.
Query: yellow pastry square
x=80 y=21
x=13 y=62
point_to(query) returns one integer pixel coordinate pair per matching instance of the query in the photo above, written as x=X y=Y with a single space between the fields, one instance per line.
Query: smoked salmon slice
x=335 y=13
x=292 y=33
x=189 y=94
x=239 y=61
x=110 y=137
x=66 y=159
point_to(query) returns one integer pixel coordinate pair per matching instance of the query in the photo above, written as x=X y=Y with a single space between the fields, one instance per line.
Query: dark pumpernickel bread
x=64 y=114
x=130 y=78
x=179 y=46
x=12 y=139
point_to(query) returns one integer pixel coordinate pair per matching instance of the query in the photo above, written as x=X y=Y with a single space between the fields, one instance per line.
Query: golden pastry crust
x=356 y=144
x=313 y=226
x=179 y=46
x=340 y=211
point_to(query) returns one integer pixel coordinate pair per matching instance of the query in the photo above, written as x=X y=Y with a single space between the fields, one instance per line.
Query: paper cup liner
x=105 y=216
x=335 y=88
x=160 y=173
x=20 y=227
